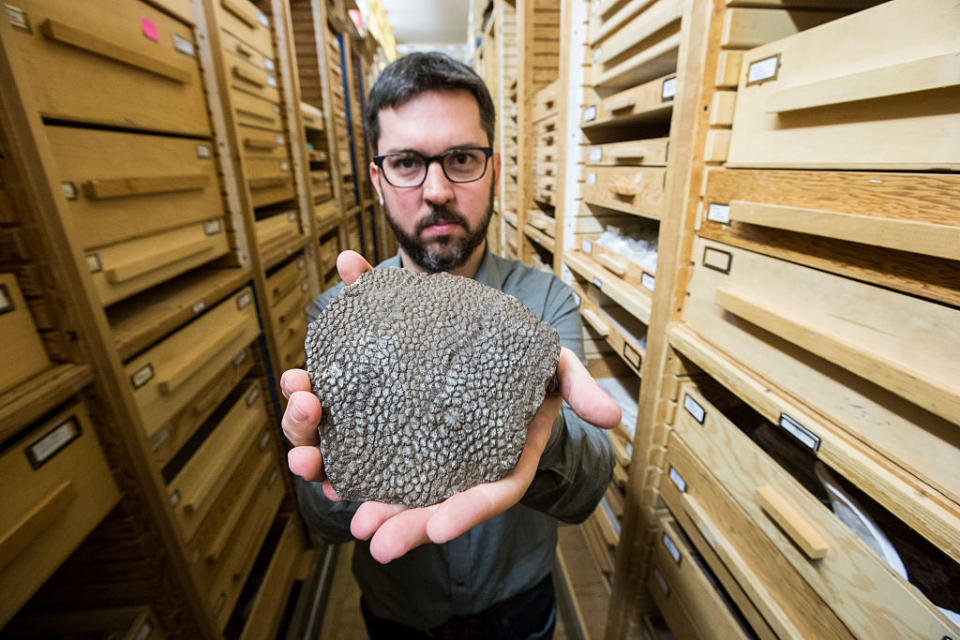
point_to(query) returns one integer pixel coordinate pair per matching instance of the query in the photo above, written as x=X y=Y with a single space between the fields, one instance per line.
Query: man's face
x=439 y=224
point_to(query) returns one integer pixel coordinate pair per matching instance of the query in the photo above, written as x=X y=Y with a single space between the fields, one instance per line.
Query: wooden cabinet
x=22 y=350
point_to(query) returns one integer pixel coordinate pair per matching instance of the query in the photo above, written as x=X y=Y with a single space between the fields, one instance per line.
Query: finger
x=400 y=534
x=306 y=462
x=350 y=265
x=583 y=394
x=330 y=492
x=466 y=510
x=294 y=380
x=301 y=419
x=370 y=515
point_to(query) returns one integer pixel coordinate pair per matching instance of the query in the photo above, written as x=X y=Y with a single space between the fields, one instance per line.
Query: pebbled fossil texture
x=427 y=383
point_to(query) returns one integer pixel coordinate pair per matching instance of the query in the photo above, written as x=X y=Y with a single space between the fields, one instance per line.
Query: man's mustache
x=442 y=215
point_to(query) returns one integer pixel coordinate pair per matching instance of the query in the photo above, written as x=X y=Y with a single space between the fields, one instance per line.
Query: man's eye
x=407 y=163
x=462 y=158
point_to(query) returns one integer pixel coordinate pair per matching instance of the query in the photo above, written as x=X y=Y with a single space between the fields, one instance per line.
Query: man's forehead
x=431 y=121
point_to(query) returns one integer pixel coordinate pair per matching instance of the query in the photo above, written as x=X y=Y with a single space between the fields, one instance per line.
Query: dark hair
x=417 y=73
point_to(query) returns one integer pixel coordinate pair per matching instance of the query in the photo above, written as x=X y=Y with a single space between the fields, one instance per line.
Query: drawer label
x=590 y=113
x=677 y=479
x=536 y=239
x=291 y=215
x=264 y=441
x=52 y=442
x=273 y=478
x=212 y=227
x=597 y=53
x=222 y=600
x=183 y=45
x=93 y=262
x=661 y=581
x=669 y=89
x=142 y=376
x=281 y=140
x=243 y=300
x=719 y=213
x=586 y=246
x=598 y=283
x=806 y=437
x=69 y=190
x=252 y=396
x=286 y=167
x=268 y=64
x=262 y=19
x=304 y=286
x=717 y=260
x=576 y=298
x=591 y=178
x=240 y=359
x=175 y=497
x=301 y=263
x=198 y=306
x=6 y=302
x=271 y=81
x=694 y=408
x=671 y=548
x=763 y=70
x=631 y=355
x=145 y=630
x=161 y=437
x=18 y=18
x=203 y=151
x=647 y=281
x=596 y=154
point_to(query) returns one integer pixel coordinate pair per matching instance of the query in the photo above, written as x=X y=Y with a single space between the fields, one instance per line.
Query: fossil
x=427 y=383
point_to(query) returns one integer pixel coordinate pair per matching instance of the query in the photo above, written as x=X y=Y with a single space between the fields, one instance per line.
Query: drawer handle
x=940 y=240
x=263 y=183
x=616 y=264
x=538 y=223
x=36 y=522
x=242 y=10
x=258 y=80
x=935 y=72
x=547 y=139
x=745 y=577
x=594 y=320
x=214 y=472
x=267 y=144
x=154 y=261
x=104 y=188
x=243 y=50
x=211 y=397
x=172 y=380
x=621 y=104
x=791 y=521
x=240 y=507
x=65 y=34
x=627 y=152
x=248 y=551
x=624 y=190
x=269 y=117
x=941 y=397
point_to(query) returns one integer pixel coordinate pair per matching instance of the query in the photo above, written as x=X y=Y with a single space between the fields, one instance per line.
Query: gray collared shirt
x=513 y=551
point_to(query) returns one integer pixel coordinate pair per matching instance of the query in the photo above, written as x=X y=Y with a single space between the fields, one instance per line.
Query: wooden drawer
x=546 y=155
x=636 y=101
x=292 y=353
x=57 y=488
x=291 y=307
x=257 y=143
x=195 y=490
x=622 y=331
x=21 y=348
x=328 y=252
x=237 y=50
x=876 y=362
x=541 y=221
x=886 y=100
x=651 y=152
x=260 y=169
x=118 y=186
x=784 y=599
x=326 y=211
x=682 y=584
x=547 y=101
x=254 y=112
x=547 y=170
x=320 y=186
x=242 y=19
x=123 y=623
x=828 y=554
x=268 y=605
x=272 y=189
x=621 y=266
x=123 y=64
x=312 y=117
x=246 y=76
x=276 y=231
x=168 y=375
x=644 y=48
x=286 y=279
x=548 y=134
x=123 y=269
x=632 y=189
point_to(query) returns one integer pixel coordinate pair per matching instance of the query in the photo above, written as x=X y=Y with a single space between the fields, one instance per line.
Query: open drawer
x=637 y=190
x=165 y=377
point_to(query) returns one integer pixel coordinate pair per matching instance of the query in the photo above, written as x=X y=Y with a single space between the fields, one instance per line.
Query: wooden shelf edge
x=30 y=400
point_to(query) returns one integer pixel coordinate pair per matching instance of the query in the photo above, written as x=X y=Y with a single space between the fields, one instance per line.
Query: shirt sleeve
x=577 y=464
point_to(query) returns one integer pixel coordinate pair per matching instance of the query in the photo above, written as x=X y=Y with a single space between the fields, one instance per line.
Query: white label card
x=598 y=283
x=211 y=227
x=268 y=64
x=694 y=408
x=719 y=213
x=671 y=548
x=18 y=18
x=590 y=113
x=264 y=441
x=576 y=298
x=669 y=89
x=587 y=246
x=203 y=151
x=161 y=437
x=93 y=262
x=763 y=69
x=806 y=437
x=262 y=19
x=69 y=190
x=647 y=281
x=285 y=167
x=144 y=631
x=281 y=140
x=243 y=300
x=591 y=178
x=240 y=359
x=271 y=81
x=142 y=376
x=52 y=442
x=661 y=581
x=596 y=154
x=175 y=498
x=677 y=480
x=198 y=306
x=6 y=304
x=252 y=396
x=183 y=45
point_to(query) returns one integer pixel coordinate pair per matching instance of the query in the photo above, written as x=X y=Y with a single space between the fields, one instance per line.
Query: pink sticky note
x=150 y=29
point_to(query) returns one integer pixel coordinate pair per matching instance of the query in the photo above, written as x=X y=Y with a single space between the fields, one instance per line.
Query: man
x=478 y=564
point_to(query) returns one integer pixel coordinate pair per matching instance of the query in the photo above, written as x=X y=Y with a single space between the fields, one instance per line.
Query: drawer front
x=118 y=186
x=285 y=280
x=606 y=326
x=123 y=269
x=547 y=155
x=277 y=583
x=623 y=267
x=547 y=170
x=242 y=19
x=259 y=169
x=257 y=143
x=254 y=112
x=271 y=190
x=651 y=152
x=328 y=251
x=248 y=77
x=886 y=101
x=644 y=48
x=21 y=349
x=687 y=580
x=827 y=553
x=548 y=135
x=168 y=375
x=277 y=230
x=547 y=101
x=633 y=32
x=291 y=308
x=174 y=433
x=292 y=354
x=784 y=599
x=195 y=490
x=639 y=99
x=634 y=190
x=236 y=50
x=325 y=211
x=843 y=347
x=124 y=64
x=57 y=488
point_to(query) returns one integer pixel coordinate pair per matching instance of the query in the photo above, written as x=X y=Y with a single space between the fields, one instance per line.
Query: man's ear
x=375 y=181
x=496 y=173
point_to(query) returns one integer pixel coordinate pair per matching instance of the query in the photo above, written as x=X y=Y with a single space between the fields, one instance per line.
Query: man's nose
x=437 y=189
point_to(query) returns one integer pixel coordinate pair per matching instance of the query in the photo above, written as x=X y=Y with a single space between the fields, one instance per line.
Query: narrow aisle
x=342 y=618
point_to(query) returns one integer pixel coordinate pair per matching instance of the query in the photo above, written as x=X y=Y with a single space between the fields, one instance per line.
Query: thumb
x=350 y=265
x=583 y=394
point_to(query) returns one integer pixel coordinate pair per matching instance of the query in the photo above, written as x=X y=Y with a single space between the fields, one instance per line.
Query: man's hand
x=396 y=529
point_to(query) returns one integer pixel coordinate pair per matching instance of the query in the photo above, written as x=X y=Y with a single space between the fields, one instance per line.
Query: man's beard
x=452 y=252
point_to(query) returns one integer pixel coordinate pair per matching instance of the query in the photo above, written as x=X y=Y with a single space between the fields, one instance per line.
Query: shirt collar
x=488 y=273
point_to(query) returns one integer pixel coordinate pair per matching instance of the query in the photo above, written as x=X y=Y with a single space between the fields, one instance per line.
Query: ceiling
x=426 y=22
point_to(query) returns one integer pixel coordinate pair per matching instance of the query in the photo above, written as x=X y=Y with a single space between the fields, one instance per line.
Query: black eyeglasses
x=408 y=169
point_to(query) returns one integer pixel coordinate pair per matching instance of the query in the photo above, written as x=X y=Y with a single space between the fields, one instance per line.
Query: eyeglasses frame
x=487 y=153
